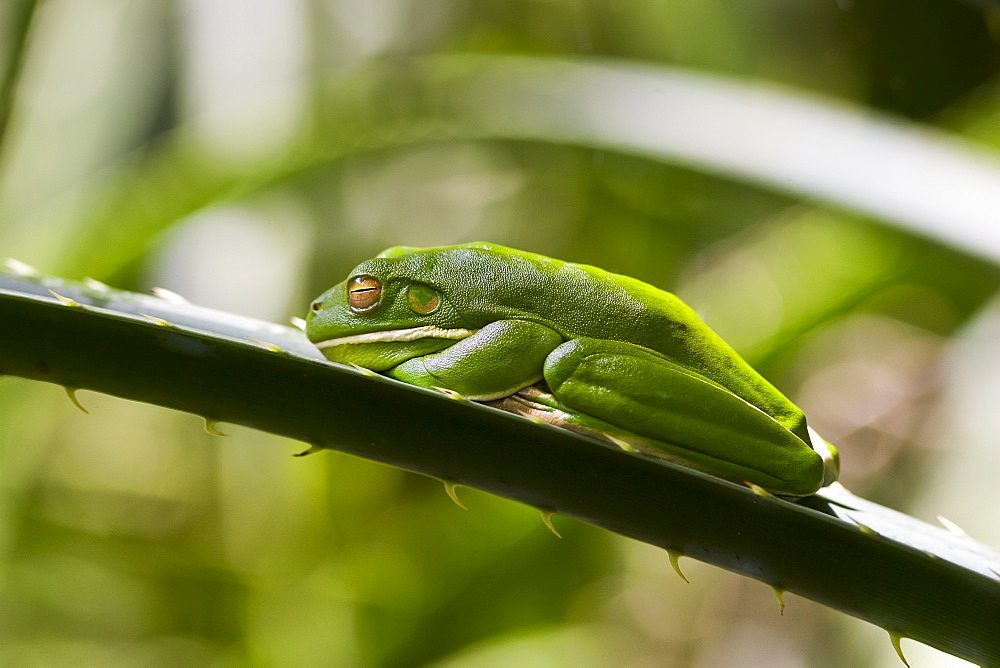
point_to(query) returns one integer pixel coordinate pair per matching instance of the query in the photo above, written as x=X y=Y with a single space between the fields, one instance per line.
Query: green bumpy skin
x=577 y=346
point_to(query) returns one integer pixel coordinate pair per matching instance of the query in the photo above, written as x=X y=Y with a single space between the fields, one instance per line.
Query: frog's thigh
x=688 y=415
x=500 y=359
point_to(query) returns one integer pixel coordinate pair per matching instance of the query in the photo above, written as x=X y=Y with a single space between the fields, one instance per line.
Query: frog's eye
x=423 y=299
x=363 y=293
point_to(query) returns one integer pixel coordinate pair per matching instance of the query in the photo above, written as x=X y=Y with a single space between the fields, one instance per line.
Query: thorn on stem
x=169 y=296
x=156 y=321
x=211 y=428
x=779 y=594
x=71 y=393
x=623 y=444
x=674 y=557
x=866 y=529
x=450 y=487
x=895 y=638
x=547 y=518
x=950 y=526
x=759 y=491
x=273 y=347
x=66 y=300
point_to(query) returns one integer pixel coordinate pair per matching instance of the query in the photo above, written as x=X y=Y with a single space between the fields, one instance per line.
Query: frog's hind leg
x=683 y=413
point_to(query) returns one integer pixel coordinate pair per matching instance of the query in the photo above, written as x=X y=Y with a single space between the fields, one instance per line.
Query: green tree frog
x=576 y=346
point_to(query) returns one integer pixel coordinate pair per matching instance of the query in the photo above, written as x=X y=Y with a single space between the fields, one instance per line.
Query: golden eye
x=423 y=299
x=363 y=293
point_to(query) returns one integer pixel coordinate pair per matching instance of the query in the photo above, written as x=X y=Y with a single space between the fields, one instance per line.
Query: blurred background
x=248 y=153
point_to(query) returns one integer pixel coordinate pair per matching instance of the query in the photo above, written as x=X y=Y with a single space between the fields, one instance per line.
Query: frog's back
x=574 y=299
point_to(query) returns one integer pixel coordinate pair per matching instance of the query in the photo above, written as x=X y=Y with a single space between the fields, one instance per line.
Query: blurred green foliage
x=171 y=143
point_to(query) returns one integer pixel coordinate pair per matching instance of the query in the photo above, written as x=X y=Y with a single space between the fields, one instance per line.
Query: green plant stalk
x=784 y=140
x=915 y=580
x=19 y=15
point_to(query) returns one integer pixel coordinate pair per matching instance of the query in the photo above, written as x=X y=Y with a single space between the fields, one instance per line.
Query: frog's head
x=391 y=308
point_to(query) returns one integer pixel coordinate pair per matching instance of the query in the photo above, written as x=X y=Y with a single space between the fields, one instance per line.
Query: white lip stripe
x=393 y=335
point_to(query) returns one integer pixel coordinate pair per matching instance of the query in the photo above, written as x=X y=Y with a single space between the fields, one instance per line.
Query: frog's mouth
x=398 y=336
x=382 y=350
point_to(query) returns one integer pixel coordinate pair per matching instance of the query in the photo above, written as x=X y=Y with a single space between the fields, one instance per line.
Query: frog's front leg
x=682 y=413
x=498 y=360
